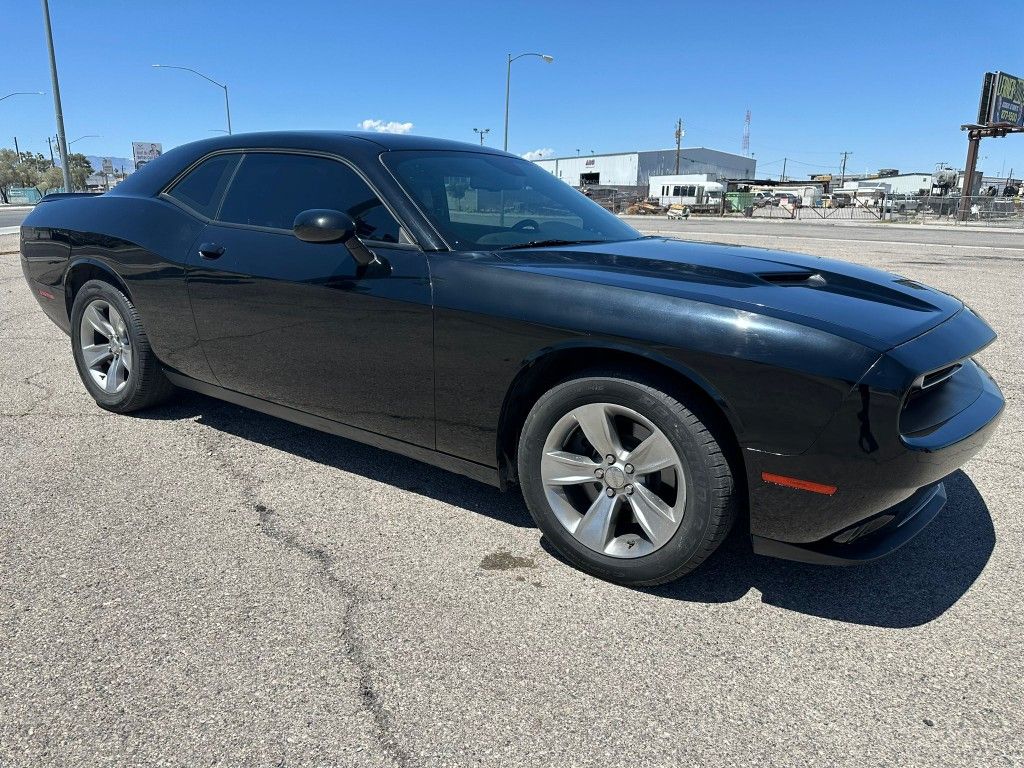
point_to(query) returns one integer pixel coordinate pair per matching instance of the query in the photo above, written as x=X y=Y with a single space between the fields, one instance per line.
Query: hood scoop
x=805 y=278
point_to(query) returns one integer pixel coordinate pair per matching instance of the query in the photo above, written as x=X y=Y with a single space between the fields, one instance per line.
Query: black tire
x=710 y=505
x=146 y=385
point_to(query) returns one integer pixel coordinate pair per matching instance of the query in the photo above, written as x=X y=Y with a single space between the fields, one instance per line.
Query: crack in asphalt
x=38 y=402
x=325 y=567
x=369 y=698
x=998 y=463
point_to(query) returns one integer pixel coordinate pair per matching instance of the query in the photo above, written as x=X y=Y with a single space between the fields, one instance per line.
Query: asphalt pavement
x=204 y=585
x=12 y=216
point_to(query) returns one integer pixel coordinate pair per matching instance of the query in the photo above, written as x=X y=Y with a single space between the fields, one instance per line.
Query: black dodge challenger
x=464 y=307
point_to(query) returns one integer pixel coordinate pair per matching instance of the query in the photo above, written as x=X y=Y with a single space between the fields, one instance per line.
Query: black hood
x=875 y=308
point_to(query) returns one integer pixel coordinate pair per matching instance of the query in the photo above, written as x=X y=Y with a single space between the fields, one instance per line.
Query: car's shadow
x=913 y=586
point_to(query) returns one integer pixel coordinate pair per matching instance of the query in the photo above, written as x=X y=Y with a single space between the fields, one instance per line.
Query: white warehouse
x=634 y=169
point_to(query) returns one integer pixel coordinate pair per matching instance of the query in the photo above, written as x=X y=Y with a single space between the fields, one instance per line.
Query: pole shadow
x=911 y=587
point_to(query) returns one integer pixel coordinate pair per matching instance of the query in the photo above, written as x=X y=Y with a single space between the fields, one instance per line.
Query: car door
x=302 y=324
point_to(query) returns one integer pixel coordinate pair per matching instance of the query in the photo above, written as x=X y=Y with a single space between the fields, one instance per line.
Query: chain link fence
x=979 y=210
x=853 y=210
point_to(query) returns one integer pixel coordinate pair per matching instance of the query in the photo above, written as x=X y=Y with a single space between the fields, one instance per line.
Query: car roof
x=161 y=171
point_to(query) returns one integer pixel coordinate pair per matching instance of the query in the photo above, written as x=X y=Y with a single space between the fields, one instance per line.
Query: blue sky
x=882 y=80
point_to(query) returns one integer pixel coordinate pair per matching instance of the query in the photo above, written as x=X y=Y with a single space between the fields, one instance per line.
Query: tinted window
x=482 y=200
x=202 y=188
x=269 y=190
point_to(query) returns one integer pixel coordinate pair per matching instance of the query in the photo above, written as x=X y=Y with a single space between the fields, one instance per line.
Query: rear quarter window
x=202 y=188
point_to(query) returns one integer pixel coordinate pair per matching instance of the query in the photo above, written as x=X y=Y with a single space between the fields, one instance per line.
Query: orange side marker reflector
x=803 y=485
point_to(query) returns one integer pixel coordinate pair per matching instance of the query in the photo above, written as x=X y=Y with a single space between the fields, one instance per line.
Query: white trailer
x=689 y=189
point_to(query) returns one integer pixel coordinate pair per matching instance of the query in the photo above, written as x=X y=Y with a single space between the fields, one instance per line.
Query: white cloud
x=537 y=154
x=392 y=126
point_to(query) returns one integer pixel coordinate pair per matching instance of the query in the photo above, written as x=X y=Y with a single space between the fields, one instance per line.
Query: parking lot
x=204 y=585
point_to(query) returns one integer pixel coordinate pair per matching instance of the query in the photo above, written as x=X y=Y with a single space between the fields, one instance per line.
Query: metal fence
x=853 y=211
x=980 y=210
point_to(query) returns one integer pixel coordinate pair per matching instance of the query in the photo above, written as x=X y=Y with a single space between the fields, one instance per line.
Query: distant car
x=464 y=307
x=841 y=200
x=899 y=204
x=762 y=199
x=788 y=198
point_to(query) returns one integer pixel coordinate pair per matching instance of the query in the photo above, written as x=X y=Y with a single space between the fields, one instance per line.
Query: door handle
x=211 y=250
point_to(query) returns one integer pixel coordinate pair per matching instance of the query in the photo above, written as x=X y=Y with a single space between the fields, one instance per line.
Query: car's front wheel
x=112 y=351
x=626 y=481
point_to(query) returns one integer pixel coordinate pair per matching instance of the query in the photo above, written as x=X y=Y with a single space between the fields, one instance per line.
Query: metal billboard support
x=975 y=133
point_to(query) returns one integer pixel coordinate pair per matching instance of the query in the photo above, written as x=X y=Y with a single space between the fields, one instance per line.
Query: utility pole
x=783 y=176
x=17 y=151
x=842 y=173
x=49 y=143
x=679 y=141
x=62 y=142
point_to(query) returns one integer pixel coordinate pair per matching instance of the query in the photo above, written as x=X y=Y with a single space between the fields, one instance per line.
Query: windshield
x=488 y=202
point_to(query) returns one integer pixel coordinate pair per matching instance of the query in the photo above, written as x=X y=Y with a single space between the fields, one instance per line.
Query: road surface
x=205 y=585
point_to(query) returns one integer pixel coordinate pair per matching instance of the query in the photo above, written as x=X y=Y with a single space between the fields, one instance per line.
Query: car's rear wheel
x=112 y=351
x=626 y=481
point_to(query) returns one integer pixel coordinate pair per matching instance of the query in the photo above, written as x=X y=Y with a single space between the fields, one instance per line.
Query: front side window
x=202 y=188
x=478 y=200
x=271 y=189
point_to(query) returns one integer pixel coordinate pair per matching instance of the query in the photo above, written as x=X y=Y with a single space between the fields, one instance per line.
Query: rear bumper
x=868 y=540
x=51 y=299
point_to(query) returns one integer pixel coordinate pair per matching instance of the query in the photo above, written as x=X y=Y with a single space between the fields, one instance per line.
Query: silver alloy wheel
x=105 y=346
x=613 y=480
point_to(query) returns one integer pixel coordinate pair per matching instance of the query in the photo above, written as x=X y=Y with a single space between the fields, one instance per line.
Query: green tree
x=20 y=170
x=80 y=168
x=51 y=178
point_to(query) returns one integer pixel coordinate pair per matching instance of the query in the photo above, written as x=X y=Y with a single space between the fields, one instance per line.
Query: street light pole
x=227 y=104
x=508 y=82
x=22 y=93
x=62 y=143
x=227 y=108
x=482 y=132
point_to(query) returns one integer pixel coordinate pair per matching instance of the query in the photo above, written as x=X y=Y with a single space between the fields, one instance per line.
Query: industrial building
x=634 y=169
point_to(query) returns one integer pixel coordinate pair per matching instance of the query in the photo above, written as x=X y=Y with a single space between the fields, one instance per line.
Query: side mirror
x=324 y=225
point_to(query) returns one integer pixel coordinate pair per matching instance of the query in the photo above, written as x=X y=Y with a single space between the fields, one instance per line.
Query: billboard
x=144 y=151
x=1002 y=100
